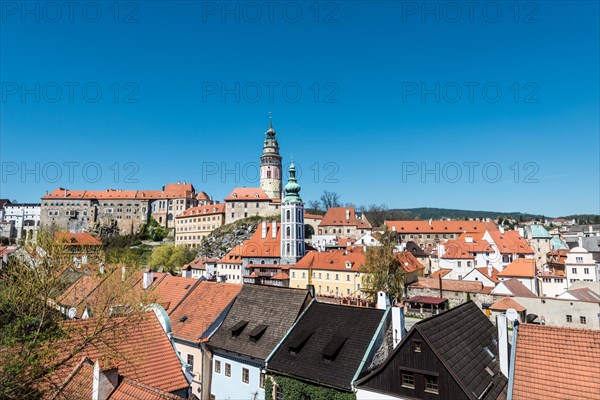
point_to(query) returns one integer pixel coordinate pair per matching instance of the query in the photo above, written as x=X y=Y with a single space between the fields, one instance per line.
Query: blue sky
x=405 y=103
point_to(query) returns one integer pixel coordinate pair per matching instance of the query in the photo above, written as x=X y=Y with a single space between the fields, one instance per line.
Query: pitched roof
x=336 y=216
x=132 y=390
x=79 y=384
x=210 y=209
x=247 y=194
x=198 y=311
x=138 y=347
x=172 y=190
x=256 y=307
x=440 y=272
x=77 y=239
x=409 y=262
x=459 y=337
x=308 y=215
x=451 y=285
x=510 y=242
x=257 y=246
x=464 y=249
x=505 y=303
x=516 y=288
x=335 y=260
x=234 y=256
x=584 y=294
x=556 y=363
x=199 y=263
x=202 y=196
x=436 y=226
x=172 y=289
x=521 y=267
x=538 y=231
x=302 y=354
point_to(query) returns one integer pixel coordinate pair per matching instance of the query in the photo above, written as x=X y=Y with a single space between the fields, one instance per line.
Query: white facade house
x=25 y=217
x=580 y=266
x=487 y=276
x=367 y=240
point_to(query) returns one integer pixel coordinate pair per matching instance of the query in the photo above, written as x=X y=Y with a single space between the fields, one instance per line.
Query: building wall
x=190 y=230
x=541 y=247
x=233 y=272
x=454 y=298
x=428 y=240
x=26 y=218
x=555 y=311
x=552 y=287
x=236 y=210
x=347 y=231
x=347 y=284
x=184 y=349
x=232 y=387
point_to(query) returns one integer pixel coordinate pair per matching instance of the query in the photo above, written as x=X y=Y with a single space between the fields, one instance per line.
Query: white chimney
x=580 y=240
x=468 y=239
x=148 y=278
x=101 y=268
x=489 y=270
x=123 y=271
x=398 y=326
x=430 y=221
x=393 y=228
x=503 y=343
x=383 y=301
x=274 y=229
x=264 y=230
x=104 y=383
x=501 y=230
x=347 y=214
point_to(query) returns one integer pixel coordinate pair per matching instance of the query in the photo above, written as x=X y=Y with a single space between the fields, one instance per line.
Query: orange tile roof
x=505 y=303
x=493 y=278
x=510 y=242
x=79 y=384
x=409 y=262
x=556 y=363
x=138 y=347
x=312 y=216
x=451 y=285
x=256 y=246
x=172 y=191
x=521 y=267
x=332 y=260
x=337 y=217
x=234 y=256
x=199 y=263
x=282 y=276
x=132 y=390
x=77 y=239
x=202 y=196
x=210 y=209
x=201 y=308
x=247 y=194
x=440 y=273
x=172 y=289
x=75 y=294
x=436 y=226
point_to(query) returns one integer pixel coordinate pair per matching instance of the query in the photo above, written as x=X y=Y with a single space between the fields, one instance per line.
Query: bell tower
x=292 y=222
x=270 y=164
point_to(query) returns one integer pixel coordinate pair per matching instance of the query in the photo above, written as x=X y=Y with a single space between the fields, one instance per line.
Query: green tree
x=383 y=270
x=170 y=258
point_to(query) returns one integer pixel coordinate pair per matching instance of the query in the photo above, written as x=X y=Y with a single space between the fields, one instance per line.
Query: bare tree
x=330 y=200
x=314 y=206
x=377 y=214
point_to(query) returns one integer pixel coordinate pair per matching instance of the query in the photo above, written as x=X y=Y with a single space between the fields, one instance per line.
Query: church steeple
x=292 y=189
x=292 y=222
x=270 y=164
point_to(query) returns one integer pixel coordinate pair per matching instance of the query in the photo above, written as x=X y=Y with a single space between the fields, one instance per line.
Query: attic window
x=238 y=328
x=332 y=349
x=299 y=341
x=257 y=332
x=416 y=346
x=183 y=319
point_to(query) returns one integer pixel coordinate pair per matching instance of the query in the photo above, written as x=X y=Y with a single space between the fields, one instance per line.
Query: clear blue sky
x=380 y=99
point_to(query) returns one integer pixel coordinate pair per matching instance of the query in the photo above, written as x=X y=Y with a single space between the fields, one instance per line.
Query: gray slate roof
x=269 y=312
x=303 y=353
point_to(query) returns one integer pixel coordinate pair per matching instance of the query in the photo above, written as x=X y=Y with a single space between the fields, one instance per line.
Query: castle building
x=270 y=165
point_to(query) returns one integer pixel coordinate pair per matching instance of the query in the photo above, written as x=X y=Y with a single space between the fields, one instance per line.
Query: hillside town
x=258 y=296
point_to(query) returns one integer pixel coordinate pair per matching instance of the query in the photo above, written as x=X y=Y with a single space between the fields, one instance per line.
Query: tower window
x=269 y=174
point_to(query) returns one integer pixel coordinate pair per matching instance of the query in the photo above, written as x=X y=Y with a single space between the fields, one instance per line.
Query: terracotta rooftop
x=521 y=268
x=132 y=390
x=335 y=260
x=247 y=194
x=505 y=303
x=77 y=239
x=510 y=242
x=200 y=211
x=485 y=271
x=440 y=272
x=138 y=347
x=556 y=363
x=199 y=263
x=515 y=287
x=344 y=216
x=191 y=319
x=436 y=226
x=451 y=285
x=172 y=191
x=171 y=290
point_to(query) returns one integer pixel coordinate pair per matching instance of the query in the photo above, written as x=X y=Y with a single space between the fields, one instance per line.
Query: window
x=217 y=367
x=574 y=270
x=416 y=346
x=431 y=384
x=261 y=381
x=190 y=362
x=408 y=380
x=583 y=320
x=586 y=271
x=245 y=375
x=459 y=264
x=569 y=318
x=227 y=369
x=579 y=260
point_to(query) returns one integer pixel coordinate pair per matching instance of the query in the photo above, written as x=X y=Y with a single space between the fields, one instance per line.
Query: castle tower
x=292 y=222
x=270 y=165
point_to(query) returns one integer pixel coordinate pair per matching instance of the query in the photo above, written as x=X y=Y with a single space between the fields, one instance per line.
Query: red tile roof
x=172 y=289
x=202 y=196
x=79 y=384
x=234 y=256
x=409 y=262
x=256 y=246
x=505 y=303
x=440 y=272
x=312 y=216
x=172 y=191
x=556 y=363
x=132 y=390
x=247 y=194
x=137 y=346
x=77 y=239
x=333 y=260
x=199 y=263
x=436 y=226
x=211 y=209
x=451 y=285
x=493 y=278
x=517 y=288
x=198 y=311
x=510 y=242
x=521 y=268
x=337 y=217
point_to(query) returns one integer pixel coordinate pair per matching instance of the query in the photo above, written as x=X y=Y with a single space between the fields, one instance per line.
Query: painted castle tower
x=292 y=222
x=270 y=165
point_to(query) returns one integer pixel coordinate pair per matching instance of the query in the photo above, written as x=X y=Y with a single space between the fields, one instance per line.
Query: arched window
x=287 y=215
x=269 y=174
x=287 y=248
x=287 y=232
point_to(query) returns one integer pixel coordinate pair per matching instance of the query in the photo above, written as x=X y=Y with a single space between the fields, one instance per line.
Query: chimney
x=489 y=270
x=398 y=326
x=468 y=239
x=311 y=290
x=264 y=230
x=105 y=382
x=501 y=323
x=123 y=271
x=347 y=215
x=430 y=221
x=580 y=241
x=101 y=268
x=393 y=228
x=148 y=278
x=274 y=229
x=383 y=300
x=501 y=230
x=441 y=289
